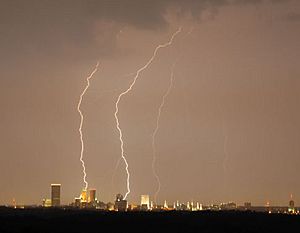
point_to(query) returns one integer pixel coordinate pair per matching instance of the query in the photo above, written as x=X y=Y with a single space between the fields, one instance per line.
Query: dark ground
x=58 y=220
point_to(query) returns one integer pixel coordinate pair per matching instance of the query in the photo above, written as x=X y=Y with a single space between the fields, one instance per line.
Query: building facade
x=55 y=195
x=92 y=196
x=145 y=202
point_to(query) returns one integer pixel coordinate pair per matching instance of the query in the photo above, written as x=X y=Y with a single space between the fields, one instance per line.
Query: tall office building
x=145 y=202
x=92 y=196
x=166 y=205
x=83 y=195
x=55 y=194
x=291 y=203
x=291 y=208
x=77 y=202
x=188 y=206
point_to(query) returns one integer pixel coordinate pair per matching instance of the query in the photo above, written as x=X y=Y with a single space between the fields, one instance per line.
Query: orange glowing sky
x=230 y=126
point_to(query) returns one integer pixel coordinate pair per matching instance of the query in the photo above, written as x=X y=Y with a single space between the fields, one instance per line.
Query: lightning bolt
x=225 y=159
x=156 y=130
x=126 y=92
x=224 y=132
x=225 y=140
x=81 y=123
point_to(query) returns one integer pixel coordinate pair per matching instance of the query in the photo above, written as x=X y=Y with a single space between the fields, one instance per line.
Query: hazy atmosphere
x=230 y=126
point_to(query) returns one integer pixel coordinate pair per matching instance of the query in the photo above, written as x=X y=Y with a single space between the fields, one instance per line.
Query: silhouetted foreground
x=58 y=220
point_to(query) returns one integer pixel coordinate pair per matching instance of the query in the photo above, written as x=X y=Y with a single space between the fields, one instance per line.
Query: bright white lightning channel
x=81 y=123
x=126 y=92
x=156 y=130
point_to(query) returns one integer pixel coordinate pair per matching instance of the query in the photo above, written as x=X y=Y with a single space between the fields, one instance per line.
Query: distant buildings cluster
x=88 y=200
x=55 y=197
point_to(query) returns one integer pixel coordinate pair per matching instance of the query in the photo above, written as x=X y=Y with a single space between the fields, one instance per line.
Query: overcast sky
x=229 y=130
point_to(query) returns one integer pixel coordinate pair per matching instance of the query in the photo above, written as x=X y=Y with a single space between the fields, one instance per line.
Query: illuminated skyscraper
x=291 y=208
x=145 y=202
x=55 y=195
x=83 y=195
x=14 y=203
x=291 y=203
x=188 y=206
x=92 y=196
x=165 y=204
x=151 y=205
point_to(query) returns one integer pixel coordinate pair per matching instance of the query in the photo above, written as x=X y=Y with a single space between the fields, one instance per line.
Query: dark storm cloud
x=77 y=14
x=52 y=27
x=145 y=14
x=141 y=14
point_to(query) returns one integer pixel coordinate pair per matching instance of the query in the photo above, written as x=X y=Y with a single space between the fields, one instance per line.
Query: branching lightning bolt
x=81 y=123
x=156 y=130
x=126 y=92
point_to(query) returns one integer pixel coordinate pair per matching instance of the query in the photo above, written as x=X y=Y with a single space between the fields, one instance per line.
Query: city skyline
x=210 y=101
x=88 y=201
x=89 y=196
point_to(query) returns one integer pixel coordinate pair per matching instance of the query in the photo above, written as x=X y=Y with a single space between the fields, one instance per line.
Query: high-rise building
x=145 y=202
x=197 y=206
x=92 y=196
x=201 y=207
x=77 y=202
x=291 y=208
x=14 y=203
x=55 y=194
x=291 y=203
x=165 y=204
x=188 y=205
x=83 y=196
x=120 y=203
